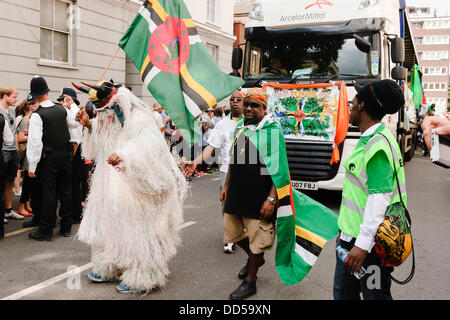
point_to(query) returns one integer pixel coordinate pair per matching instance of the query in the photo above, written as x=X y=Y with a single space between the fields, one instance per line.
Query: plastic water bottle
x=342 y=254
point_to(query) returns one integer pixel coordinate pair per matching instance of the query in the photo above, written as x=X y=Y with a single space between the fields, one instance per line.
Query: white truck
x=321 y=41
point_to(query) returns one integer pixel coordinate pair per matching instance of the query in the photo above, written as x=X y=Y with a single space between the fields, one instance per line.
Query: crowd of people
x=47 y=148
x=26 y=149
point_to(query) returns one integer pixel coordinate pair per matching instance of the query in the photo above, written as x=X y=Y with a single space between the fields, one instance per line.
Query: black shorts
x=11 y=160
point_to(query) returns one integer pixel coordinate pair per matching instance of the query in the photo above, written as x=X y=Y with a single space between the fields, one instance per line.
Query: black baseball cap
x=38 y=87
x=69 y=92
x=382 y=97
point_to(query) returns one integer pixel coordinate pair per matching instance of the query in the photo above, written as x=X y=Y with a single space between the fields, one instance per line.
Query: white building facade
x=73 y=40
x=432 y=38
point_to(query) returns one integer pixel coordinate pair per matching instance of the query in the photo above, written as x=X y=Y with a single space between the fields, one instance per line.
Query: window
x=418 y=40
x=439 y=102
x=211 y=11
x=437 y=24
x=436 y=40
x=435 y=55
x=56 y=37
x=440 y=86
x=213 y=51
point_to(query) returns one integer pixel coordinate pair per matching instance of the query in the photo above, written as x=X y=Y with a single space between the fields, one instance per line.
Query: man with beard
x=221 y=138
x=249 y=194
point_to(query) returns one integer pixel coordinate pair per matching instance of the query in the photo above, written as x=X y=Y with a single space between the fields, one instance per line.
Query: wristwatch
x=272 y=200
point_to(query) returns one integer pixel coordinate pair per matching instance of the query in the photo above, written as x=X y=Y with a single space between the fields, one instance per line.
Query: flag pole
x=106 y=69
x=109 y=63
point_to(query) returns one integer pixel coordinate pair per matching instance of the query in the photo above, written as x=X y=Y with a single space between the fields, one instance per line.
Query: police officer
x=49 y=153
x=370 y=186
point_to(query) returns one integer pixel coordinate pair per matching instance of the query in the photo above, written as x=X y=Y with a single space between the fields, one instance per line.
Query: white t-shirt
x=222 y=137
x=76 y=134
x=159 y=119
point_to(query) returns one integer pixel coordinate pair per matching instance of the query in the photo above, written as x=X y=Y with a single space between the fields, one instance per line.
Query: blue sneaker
x=123 y=288
x=95 y=277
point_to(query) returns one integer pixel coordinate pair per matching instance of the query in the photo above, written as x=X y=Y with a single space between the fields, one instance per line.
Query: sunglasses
x=235 y=99
x=252 y=105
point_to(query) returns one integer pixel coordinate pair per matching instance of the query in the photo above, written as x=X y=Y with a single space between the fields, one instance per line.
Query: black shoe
x=30 y=224
x=65 y=232
x=245 y=290
x=38 y=235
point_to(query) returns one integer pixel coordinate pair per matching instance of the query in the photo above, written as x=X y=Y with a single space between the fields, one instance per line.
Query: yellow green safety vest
x=355 y=193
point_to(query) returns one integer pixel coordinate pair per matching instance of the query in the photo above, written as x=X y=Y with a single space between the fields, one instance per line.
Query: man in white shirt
x=49 y=154
x=69 y=100
x=221 y=138
x=11 y=157
x=8 y=139
x=158 y=117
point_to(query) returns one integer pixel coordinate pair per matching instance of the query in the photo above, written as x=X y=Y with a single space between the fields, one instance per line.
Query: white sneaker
x=228 y=247
x=14 y=215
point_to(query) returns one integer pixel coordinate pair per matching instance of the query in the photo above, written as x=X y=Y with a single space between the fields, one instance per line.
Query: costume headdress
x=99 y=94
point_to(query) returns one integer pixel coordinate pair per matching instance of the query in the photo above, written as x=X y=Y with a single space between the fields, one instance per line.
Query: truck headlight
x=256 y=12
x=367 y=3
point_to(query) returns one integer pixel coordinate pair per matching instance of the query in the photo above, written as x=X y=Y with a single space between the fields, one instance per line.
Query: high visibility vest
x=355 y=192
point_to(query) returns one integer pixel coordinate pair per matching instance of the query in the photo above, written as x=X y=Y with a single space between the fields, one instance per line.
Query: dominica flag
x=303 y=224
x=164 y=45
x=416 y=87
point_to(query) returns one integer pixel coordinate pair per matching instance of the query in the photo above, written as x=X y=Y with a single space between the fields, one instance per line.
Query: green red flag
x=164 y=45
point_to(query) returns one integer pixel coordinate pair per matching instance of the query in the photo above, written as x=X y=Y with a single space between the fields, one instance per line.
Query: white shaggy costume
x=133 y=213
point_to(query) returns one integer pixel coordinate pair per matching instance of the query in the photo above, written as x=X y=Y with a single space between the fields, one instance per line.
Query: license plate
x=304 y=185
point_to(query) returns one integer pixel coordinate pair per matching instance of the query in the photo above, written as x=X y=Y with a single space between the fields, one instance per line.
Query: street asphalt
x=201 y=271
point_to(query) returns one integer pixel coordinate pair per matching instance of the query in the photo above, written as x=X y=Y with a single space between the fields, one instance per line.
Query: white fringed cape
x=132 y=217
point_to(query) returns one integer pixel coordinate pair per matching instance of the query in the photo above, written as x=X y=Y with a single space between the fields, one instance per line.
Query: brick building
x=432 y=39
x=241 y=12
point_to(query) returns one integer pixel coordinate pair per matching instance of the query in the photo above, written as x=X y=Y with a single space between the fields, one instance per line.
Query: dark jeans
x=2 y=207
x=36 y=196
x=375 y=285
x=2 y=196
x=76 y=185
x=56 y=182
x=26 y=188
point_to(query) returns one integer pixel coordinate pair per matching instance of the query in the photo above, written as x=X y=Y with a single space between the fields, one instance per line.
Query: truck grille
x=310 y=161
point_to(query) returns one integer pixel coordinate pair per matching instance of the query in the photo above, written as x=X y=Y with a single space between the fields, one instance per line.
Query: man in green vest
x=370 y=186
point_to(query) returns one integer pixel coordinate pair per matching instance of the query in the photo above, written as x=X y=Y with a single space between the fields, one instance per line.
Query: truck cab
x=323 y=41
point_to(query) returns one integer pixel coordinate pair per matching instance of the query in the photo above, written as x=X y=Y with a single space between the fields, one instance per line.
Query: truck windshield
x=310 y=57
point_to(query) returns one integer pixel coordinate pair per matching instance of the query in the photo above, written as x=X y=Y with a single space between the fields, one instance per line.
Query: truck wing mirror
x=398 y=50
x=399 y=73
x=362 y=44
x=236 y=61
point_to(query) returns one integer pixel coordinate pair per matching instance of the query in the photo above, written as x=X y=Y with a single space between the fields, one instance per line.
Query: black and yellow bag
x=393 y=241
